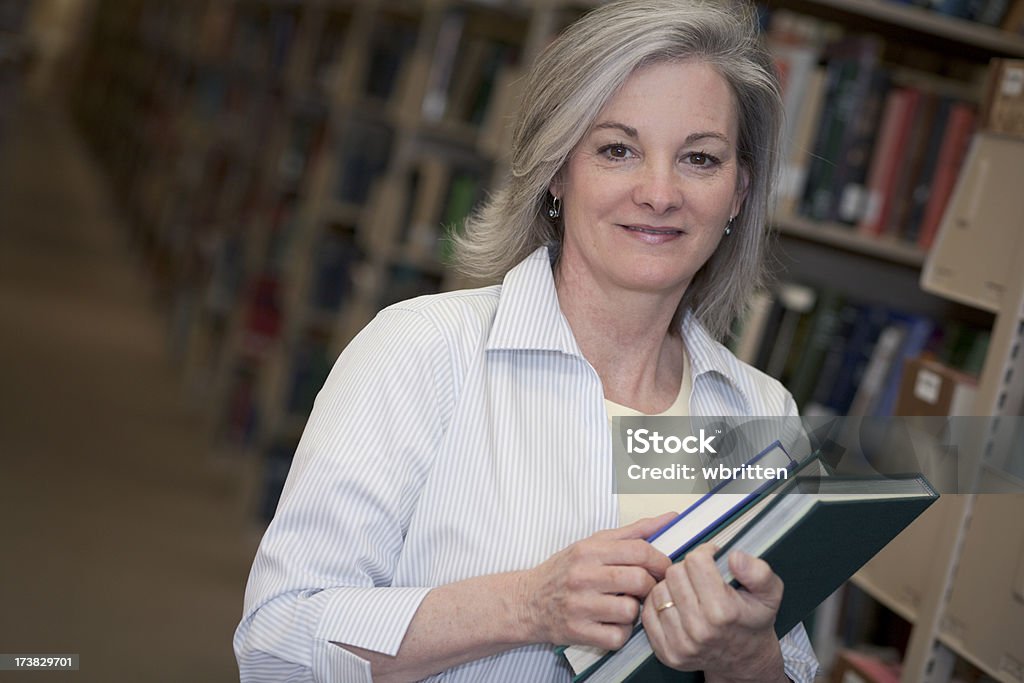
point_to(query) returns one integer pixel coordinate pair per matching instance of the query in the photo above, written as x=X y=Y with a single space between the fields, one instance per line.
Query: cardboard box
x=930 y=388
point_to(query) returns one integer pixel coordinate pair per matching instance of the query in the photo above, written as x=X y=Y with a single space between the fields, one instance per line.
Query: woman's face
x=649 y=190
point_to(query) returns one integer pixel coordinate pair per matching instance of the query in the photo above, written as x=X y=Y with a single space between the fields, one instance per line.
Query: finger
x=634 y=581
x=604 y=636
x=756 y=577
x=651 y=619
x=634 y=553
x=620 y=610
x=700 y=616
x=669 y=605
x=703 y=573
x=643 y=528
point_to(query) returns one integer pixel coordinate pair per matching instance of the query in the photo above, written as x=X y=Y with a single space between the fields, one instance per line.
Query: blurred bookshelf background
x=265 y=175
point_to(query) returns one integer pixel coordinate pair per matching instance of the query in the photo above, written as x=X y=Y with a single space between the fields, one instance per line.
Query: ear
x=556 y=187
x=742 y=187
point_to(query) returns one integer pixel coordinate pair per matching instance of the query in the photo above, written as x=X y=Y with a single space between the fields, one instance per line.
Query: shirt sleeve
x=323 y=573
x=798 y=659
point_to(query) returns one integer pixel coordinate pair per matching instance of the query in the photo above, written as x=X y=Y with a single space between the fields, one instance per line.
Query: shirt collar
x=528 y=315
x=708 y=356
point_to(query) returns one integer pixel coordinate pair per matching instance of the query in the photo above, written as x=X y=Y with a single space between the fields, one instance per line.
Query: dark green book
x=815 y=535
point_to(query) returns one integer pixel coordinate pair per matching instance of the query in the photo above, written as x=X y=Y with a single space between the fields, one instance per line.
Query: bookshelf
x=378 y=125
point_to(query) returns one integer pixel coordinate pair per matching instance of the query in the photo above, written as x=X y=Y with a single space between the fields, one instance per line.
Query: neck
x=625 y=336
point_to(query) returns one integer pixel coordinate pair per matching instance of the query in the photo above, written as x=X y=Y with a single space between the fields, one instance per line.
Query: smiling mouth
x=653 y=231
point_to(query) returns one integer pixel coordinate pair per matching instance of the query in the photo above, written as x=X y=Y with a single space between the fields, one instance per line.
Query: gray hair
x=569 y=84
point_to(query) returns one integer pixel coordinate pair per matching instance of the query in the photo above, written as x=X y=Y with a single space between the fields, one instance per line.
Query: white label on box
x=852 y=677
x=927 y=385
x=1013 y=81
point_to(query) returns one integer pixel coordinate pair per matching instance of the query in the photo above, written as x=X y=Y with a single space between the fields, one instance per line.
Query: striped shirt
x=457 y=435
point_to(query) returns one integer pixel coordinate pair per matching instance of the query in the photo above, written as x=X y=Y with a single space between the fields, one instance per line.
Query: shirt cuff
x=332 y=663
x=798 y=660
x=370 y=618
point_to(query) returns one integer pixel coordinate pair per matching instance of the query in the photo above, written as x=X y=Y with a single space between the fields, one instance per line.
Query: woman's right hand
x=590 y=593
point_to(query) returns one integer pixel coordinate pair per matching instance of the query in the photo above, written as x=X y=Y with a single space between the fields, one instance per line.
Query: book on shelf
x=796 y=42
x=480 y=62
x=991 y=12
x=1013 y=22
x=792 y=304
x=1003 y=105
x=263 y=316
x=363 y=155
x=854 y=80
x=700 y=520
x=859 y=331
x=794 y=63
x=964 y=347
x=956 y=138
x=325 y=69
x=820 y=400
x=241 y=409
x=871 y=383
x=427 y=205
x=909 y=166
x=495 y=137
x=849 y=194
x=909 y=228
x=392 y=42
x=800 y=147
x=859 y=667
x=750 y=327
x=406 y=281
x=815 y=534
x=443 y=63
x=335 y=255
x=894 y=138
x=919 y=332
x=306 y=137
x=811 y=354
x=464 y=188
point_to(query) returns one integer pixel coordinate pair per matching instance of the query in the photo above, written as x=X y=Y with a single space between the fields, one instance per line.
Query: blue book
x=722 y=502
x=815 y=534
x=697 y=522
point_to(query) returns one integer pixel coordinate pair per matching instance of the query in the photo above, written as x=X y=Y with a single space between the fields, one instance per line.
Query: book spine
x=956 y=140
x=882 y=181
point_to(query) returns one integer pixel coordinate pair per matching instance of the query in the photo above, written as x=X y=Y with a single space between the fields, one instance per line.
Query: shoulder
x=767 y=395
x=442 y=332
x=414 y=351
x=756 y=393
x=455 y=313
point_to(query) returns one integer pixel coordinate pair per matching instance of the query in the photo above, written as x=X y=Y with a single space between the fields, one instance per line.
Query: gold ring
x=664 y=606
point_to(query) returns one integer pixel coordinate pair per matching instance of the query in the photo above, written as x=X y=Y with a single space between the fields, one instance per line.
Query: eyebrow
x=690 y=139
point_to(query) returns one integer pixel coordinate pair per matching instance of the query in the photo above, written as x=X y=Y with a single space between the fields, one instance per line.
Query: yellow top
x=634 y=506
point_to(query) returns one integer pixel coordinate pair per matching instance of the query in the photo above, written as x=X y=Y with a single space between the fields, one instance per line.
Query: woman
x=450 y=506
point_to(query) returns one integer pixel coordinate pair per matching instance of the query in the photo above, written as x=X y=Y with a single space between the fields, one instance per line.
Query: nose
x=658 y=188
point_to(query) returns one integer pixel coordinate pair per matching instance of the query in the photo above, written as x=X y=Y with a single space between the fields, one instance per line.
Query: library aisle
x=123 y=539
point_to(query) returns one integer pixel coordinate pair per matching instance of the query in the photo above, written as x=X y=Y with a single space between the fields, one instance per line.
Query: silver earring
x=728 y=226
x=556 y=208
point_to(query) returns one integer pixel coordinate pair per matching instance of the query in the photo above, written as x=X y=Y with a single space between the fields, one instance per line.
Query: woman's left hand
x=711 y=626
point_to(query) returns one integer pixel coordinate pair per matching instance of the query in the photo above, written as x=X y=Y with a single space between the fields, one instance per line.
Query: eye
x=616 y=152
x=701 y=159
